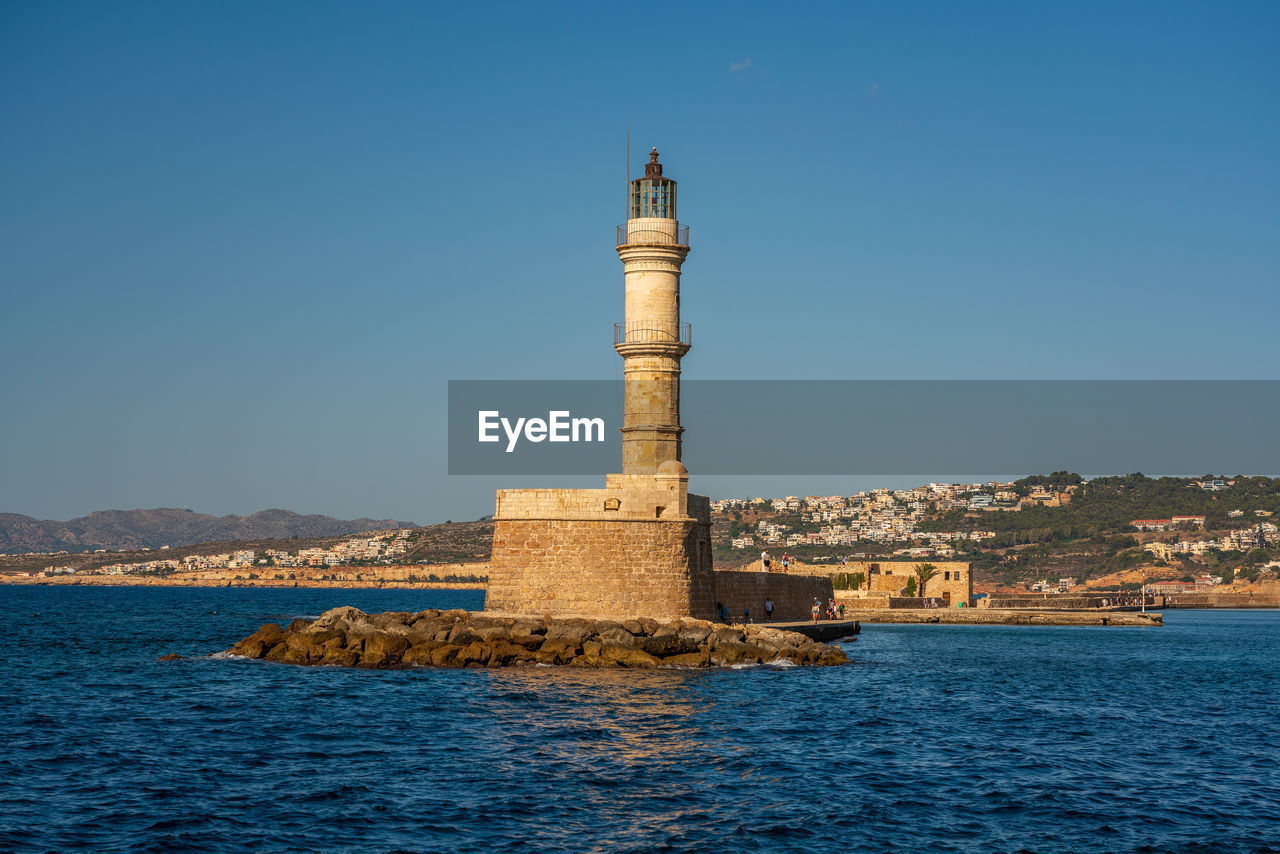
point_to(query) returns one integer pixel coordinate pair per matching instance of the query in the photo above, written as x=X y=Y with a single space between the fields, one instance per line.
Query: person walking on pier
x=817 y=607
x=768 y=609
x=764 y=561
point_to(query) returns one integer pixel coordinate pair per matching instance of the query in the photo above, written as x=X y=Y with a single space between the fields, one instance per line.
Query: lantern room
x=652 y=196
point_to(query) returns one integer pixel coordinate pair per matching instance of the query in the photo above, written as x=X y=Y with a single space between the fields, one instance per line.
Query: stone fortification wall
x=792 y=594
x=862 y=599
x=602 y=569
x=953 y=581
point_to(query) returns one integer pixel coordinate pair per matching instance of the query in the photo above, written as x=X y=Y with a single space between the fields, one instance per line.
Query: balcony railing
x=645 y=332
x=650 y=233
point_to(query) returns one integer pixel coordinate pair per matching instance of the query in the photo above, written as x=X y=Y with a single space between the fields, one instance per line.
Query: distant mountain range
x=167 y=526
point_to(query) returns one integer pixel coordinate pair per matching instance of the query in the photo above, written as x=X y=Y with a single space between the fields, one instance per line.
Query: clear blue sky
x=243 y=246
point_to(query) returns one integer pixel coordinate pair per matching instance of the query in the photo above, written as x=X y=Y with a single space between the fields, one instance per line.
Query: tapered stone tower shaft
x=652 y=340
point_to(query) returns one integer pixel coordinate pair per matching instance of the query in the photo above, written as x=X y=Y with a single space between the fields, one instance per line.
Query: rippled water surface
x=935 y=738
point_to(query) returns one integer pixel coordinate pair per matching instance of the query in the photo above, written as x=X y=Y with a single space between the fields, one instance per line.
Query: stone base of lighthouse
x=640 y=547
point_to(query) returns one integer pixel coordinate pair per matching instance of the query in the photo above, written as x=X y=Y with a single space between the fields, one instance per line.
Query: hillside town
x=880 y=516
x=1040 y=534
x=375 y=548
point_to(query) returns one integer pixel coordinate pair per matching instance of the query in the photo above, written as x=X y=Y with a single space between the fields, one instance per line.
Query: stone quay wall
x=1222 y=600
x=602 y=569
x=792 y=595
x=1058 y=601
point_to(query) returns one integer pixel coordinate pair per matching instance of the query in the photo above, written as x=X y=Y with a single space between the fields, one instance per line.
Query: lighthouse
x=641 y=546
x=652 y=245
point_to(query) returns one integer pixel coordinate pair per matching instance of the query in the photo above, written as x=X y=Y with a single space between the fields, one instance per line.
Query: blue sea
x=934 y=738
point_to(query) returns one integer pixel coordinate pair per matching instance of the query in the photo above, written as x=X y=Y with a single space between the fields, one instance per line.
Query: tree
x=911 y=587
x=925 y=571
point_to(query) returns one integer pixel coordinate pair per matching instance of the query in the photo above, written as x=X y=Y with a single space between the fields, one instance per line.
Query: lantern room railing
x=645 y=332
x=645 y=234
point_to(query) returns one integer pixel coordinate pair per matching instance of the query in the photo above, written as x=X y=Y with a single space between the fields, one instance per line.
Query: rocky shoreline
x=348 y=637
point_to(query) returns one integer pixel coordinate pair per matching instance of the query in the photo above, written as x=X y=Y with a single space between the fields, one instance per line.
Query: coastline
x=1005 y=617
x=149 y=581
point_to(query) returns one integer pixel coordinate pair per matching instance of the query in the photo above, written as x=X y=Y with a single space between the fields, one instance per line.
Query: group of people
x=1127 y=601
x=766 y=562
x=832 y=610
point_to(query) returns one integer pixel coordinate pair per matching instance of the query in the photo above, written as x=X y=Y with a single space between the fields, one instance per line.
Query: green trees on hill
x=1057 y=482
x=1107 y=506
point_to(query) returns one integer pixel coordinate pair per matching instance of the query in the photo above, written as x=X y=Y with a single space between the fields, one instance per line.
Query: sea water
x=934 y=738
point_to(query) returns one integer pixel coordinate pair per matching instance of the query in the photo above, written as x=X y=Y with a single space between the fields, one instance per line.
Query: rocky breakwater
x=348 y=637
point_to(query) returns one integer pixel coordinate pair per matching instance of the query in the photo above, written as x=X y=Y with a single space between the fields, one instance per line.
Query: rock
x=348 y=637
x=445 y=655
x=388 y=618
x=341 y=657
x=284 y=654
x=463 y=634
x=304 y=648
x=528 y=627
x=260 y=642
x=618 y=636
x=720 y=636
x=331 y=618
x=665 y=643
x=625 y=656
x=383 y=649
x=832 y=656
x=696 y=635
x=504 y=653
x=733 y=652
x=694 y=623
x=558 y=650
x=474 y=653
x=173 y=656
x=574 y=630
x=529 y=642
x=493 y=633
x=420 y=653
x=428 y=625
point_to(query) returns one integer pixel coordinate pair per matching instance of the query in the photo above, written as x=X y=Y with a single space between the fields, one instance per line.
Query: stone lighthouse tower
x=640 y=547
x=651 y=340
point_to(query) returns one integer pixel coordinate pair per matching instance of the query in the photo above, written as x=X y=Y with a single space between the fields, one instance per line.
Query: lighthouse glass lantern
x=653 y=196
